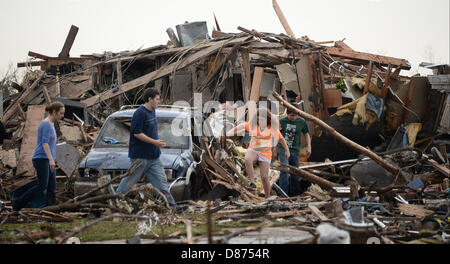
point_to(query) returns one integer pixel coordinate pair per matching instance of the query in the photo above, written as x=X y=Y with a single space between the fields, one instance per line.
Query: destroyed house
x=328 y=79
x=379 y=139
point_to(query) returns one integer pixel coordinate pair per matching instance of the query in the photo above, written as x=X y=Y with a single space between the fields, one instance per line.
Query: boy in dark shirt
x=292 y=127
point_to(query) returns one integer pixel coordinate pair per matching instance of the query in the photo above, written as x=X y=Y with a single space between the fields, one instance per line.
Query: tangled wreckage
x=379 y=164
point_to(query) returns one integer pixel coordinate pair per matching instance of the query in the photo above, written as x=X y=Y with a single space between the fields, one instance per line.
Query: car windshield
x=116 y=133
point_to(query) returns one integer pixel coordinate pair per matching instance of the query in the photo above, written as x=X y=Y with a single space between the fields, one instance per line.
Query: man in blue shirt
x=145 y=148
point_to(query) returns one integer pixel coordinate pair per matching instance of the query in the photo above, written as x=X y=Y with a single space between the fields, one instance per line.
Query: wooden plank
x=283 y=19
x=37 y=55
x=444 y=170
x=218 y=169
x=325 y=42
x=256 y=34
x=163 y=71
x=58 y=84
x=13 y=110
x=206 y=144
x=256 y=85
x=316 y=90
x=58 y=61
x=386 y=82
x=21 y=112
x=119 y=72
x=318 y=213
x=408 y=101
x=415 y=210
x=322 y=86
x=304 y=75
x=265 y=45
x=247 y=74
x=368 y=78
x=48 y=100
x=340 y=44
x=30 y=64
x=119 y=80
x=69 y=42
x=217 y=23
x=219 y=34
x=366 y=57
x=35 y=114
x=72 y=87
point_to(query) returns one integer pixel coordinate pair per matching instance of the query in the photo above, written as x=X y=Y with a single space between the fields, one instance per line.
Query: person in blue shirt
x=145 y=148
x=44 y=161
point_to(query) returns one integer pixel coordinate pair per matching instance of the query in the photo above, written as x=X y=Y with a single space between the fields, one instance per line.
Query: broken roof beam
x=219 y=34
x=30 y=64
x=340 y=44
x=325 y=42
x=217 y=23
x=144 y=80
x=69 y=42
x=367 y=57
x=13 y=110
x=256 y=34
x=51 y=61
x=37 y=55
x=148 y=50
x=283 y=19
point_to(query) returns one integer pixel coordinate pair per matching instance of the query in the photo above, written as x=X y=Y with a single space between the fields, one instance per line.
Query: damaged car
x=176 y=126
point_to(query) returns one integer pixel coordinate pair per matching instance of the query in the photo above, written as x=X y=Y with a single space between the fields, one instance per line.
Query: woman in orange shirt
x=265 y=134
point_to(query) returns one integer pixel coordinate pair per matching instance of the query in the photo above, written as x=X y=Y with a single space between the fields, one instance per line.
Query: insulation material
x=412 y=130
x=359 y=108
x=288 y=77
x=8 y=158
x=267 y=85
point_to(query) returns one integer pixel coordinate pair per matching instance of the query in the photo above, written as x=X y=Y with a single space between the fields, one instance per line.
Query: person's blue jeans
x=45 y=189
x=289 y=184
x=154 y=172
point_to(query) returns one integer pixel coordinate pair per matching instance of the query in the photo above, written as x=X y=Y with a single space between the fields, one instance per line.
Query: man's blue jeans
x=154 y=172
x=288 y=185
x=44 y=192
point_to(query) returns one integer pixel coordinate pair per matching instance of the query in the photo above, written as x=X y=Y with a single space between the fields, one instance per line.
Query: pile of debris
x=383 y=136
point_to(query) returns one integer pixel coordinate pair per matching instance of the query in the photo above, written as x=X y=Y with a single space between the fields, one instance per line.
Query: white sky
x=416 y=30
